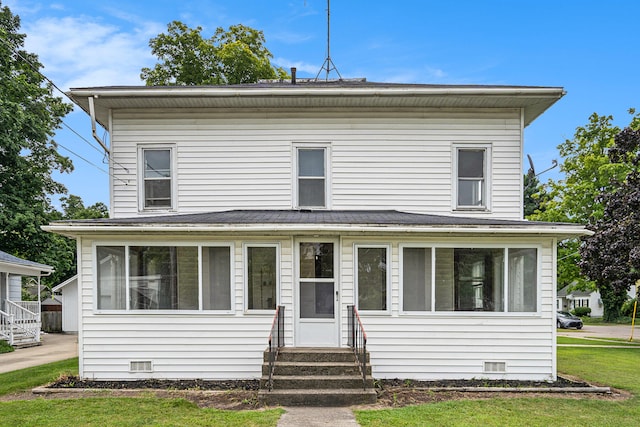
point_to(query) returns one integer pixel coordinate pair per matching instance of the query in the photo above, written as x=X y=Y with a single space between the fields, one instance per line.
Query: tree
x=535 y=195
x=29 y=116
x=588 y=172
x=234 y=56
x=611 y=256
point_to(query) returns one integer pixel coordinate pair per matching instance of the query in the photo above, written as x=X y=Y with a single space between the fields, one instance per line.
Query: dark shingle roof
x=334 y=217
x=8 y=258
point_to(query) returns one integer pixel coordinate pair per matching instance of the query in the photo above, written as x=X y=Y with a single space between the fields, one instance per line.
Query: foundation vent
x=495 y=367
x=140 y=366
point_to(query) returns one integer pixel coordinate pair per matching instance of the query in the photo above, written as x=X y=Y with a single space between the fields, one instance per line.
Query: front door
x=317 y=294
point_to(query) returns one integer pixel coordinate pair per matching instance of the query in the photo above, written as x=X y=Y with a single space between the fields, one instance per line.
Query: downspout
x=92 y=113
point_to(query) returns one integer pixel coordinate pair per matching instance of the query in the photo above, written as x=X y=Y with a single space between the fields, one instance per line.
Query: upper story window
x=157 y=178
x=471 y=177
x=311 y=176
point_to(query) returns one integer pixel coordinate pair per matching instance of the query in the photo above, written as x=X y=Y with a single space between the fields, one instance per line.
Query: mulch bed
x=243 y=394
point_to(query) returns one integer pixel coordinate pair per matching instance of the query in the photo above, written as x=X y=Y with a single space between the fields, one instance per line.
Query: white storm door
x=317 y=294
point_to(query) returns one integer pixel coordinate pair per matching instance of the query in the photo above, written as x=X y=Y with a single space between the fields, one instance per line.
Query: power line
x=80 y=157
x=15 y=50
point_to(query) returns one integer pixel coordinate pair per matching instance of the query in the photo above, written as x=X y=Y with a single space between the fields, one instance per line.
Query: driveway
x=602 y=331
x=54 y=347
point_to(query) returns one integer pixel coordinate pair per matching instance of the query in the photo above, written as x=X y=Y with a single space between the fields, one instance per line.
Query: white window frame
x=245 y=276
x=327 y=173
x=141 y=179
x=486 y=147
x=401 y=249
x=387 y=248
x=140 y=312
x=505 y=309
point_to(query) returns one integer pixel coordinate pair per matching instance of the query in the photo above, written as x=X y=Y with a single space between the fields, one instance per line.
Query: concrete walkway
x=54 y=347
x=317 y=417
x=602 y=331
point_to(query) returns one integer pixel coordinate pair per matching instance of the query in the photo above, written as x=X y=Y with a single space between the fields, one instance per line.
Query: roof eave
x=75 y=230
x=534 y=100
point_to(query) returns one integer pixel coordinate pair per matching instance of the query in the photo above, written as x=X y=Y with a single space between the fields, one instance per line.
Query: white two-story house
x=403 y=200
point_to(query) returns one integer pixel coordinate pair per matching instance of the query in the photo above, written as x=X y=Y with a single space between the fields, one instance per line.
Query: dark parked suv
x=568 y=320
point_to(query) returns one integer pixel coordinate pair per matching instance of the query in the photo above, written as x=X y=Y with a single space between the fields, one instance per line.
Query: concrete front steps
x=316 y=377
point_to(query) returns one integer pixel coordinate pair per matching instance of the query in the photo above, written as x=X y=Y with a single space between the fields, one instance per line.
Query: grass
x=616 y=367
x=5 y=347
x=608 y=366
x=110 y=411
x=127 y=412
x=26 y=379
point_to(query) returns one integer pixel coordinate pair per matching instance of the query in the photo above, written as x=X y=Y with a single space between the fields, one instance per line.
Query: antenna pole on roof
x=328 y=64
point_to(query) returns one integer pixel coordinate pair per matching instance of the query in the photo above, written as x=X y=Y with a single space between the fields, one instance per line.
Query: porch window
x=311 y=177
x=477 y=279
x=216 y=278
x=110 y=269
x=163 y=278
x=372 y=277
x=416 y=279
x=523 y=280
x=157 y=179
x=261 y=276
x=471 y=177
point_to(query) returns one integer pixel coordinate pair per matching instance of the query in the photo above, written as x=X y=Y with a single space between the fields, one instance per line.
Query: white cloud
x=82 y=51
x=300 y=66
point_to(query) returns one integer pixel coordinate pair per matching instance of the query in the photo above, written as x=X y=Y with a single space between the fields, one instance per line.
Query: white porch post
x=38 y=314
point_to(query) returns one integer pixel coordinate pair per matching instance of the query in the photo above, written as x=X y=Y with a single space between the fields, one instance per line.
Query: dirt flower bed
x=243 y=394
x=560 y=383
x=75 y=382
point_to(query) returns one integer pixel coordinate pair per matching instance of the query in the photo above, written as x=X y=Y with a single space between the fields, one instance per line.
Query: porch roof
x=14 y=265
x=316 y=220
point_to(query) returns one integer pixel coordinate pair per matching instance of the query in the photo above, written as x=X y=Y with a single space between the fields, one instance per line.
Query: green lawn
x=110 y=411
x=26 y=379
x=606 y=366
x=614 y=367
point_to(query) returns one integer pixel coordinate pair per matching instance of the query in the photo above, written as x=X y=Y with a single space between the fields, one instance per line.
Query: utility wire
x=37 y=70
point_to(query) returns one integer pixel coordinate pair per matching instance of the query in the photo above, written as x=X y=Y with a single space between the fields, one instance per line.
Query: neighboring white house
x=68 y=291
x=567 y=300
x=405 y=200
x=19 y=320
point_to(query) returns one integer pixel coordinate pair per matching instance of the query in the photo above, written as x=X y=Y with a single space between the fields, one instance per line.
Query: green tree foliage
x=29 y=116
x=535 y=195
x=611 y=256
x=588 y=172
x=232 y=56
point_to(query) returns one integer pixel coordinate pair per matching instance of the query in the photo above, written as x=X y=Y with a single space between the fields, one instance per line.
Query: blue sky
x=588 y=47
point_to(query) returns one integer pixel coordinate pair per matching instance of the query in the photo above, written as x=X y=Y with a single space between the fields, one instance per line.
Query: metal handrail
x=276 y=340
x=357 y=340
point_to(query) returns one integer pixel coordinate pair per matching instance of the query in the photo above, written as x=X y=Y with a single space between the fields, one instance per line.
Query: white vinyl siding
x=396 y=160
x=429 y=345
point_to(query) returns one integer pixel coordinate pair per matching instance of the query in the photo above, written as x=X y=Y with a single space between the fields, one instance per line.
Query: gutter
x=145 y=92
x=92 y=114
